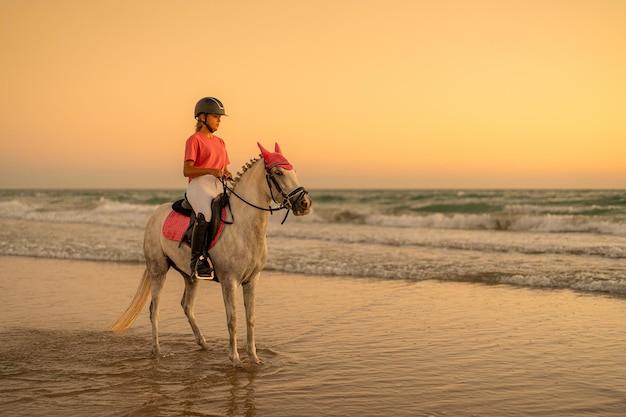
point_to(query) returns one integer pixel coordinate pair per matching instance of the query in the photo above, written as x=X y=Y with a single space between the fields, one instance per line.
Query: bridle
x=289 y=200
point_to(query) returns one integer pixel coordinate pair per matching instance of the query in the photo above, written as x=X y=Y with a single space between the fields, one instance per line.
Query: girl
x=206 y=162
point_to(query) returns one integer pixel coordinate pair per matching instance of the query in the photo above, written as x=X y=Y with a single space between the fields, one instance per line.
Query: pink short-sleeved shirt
x=206 y=152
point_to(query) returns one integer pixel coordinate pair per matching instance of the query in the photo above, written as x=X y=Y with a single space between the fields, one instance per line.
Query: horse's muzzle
x=301 y=204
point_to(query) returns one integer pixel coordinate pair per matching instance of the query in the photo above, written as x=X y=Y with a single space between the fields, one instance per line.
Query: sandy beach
x=332 y=346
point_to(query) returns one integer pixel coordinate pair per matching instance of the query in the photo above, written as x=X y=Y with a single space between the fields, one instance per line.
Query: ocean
x=380 y=302
x=573 y=239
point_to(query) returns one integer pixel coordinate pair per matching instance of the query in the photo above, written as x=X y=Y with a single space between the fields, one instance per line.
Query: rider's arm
x=191 y=171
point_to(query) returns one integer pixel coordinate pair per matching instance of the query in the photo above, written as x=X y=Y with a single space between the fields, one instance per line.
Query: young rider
x=206 y=162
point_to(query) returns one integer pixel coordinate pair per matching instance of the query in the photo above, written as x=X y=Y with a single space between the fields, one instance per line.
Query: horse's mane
x=246 y=167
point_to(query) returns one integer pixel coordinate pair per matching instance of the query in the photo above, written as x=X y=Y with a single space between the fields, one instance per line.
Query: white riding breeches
x=200 y=193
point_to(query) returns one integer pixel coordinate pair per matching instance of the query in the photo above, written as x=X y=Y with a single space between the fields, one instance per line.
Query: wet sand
x=331 y=346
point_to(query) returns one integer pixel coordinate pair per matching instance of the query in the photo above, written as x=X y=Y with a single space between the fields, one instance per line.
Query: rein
x=286 y=203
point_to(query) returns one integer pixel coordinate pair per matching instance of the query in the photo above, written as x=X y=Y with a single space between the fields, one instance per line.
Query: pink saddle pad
x=176 y=224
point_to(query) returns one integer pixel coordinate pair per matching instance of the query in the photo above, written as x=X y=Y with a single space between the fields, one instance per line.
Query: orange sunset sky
x=359 y=93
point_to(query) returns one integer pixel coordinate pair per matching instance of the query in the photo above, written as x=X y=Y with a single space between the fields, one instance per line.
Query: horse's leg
x=228 y=292
x=157 y=285
x=189 y=297
x=249 y=289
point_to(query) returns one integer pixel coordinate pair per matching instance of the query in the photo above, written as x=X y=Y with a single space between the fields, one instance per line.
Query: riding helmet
x=209 y=105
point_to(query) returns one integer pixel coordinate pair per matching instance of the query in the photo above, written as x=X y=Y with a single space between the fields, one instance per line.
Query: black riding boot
x=200 y=266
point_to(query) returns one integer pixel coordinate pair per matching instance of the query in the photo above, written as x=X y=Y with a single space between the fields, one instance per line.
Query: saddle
x=171 y=228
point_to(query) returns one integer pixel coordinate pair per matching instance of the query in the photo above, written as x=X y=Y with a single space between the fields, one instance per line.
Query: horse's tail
x=129 y=316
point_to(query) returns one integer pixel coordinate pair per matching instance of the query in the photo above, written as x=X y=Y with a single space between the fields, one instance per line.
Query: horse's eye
x=278 y=173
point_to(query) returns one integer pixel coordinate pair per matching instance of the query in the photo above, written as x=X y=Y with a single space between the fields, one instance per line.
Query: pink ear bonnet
x=274 y=158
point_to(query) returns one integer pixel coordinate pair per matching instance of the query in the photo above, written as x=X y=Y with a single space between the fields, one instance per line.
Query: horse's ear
x=277 y=148
x=264 y=151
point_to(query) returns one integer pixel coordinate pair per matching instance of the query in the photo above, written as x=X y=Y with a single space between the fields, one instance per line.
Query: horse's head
x=283 y=181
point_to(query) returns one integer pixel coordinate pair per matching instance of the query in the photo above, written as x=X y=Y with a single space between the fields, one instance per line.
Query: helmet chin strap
x=207 y=126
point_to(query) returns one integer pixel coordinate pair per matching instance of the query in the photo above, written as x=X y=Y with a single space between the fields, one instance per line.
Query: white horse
x=238 y=256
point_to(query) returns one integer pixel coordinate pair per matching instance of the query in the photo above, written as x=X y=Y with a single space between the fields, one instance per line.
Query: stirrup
x=203 y=269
